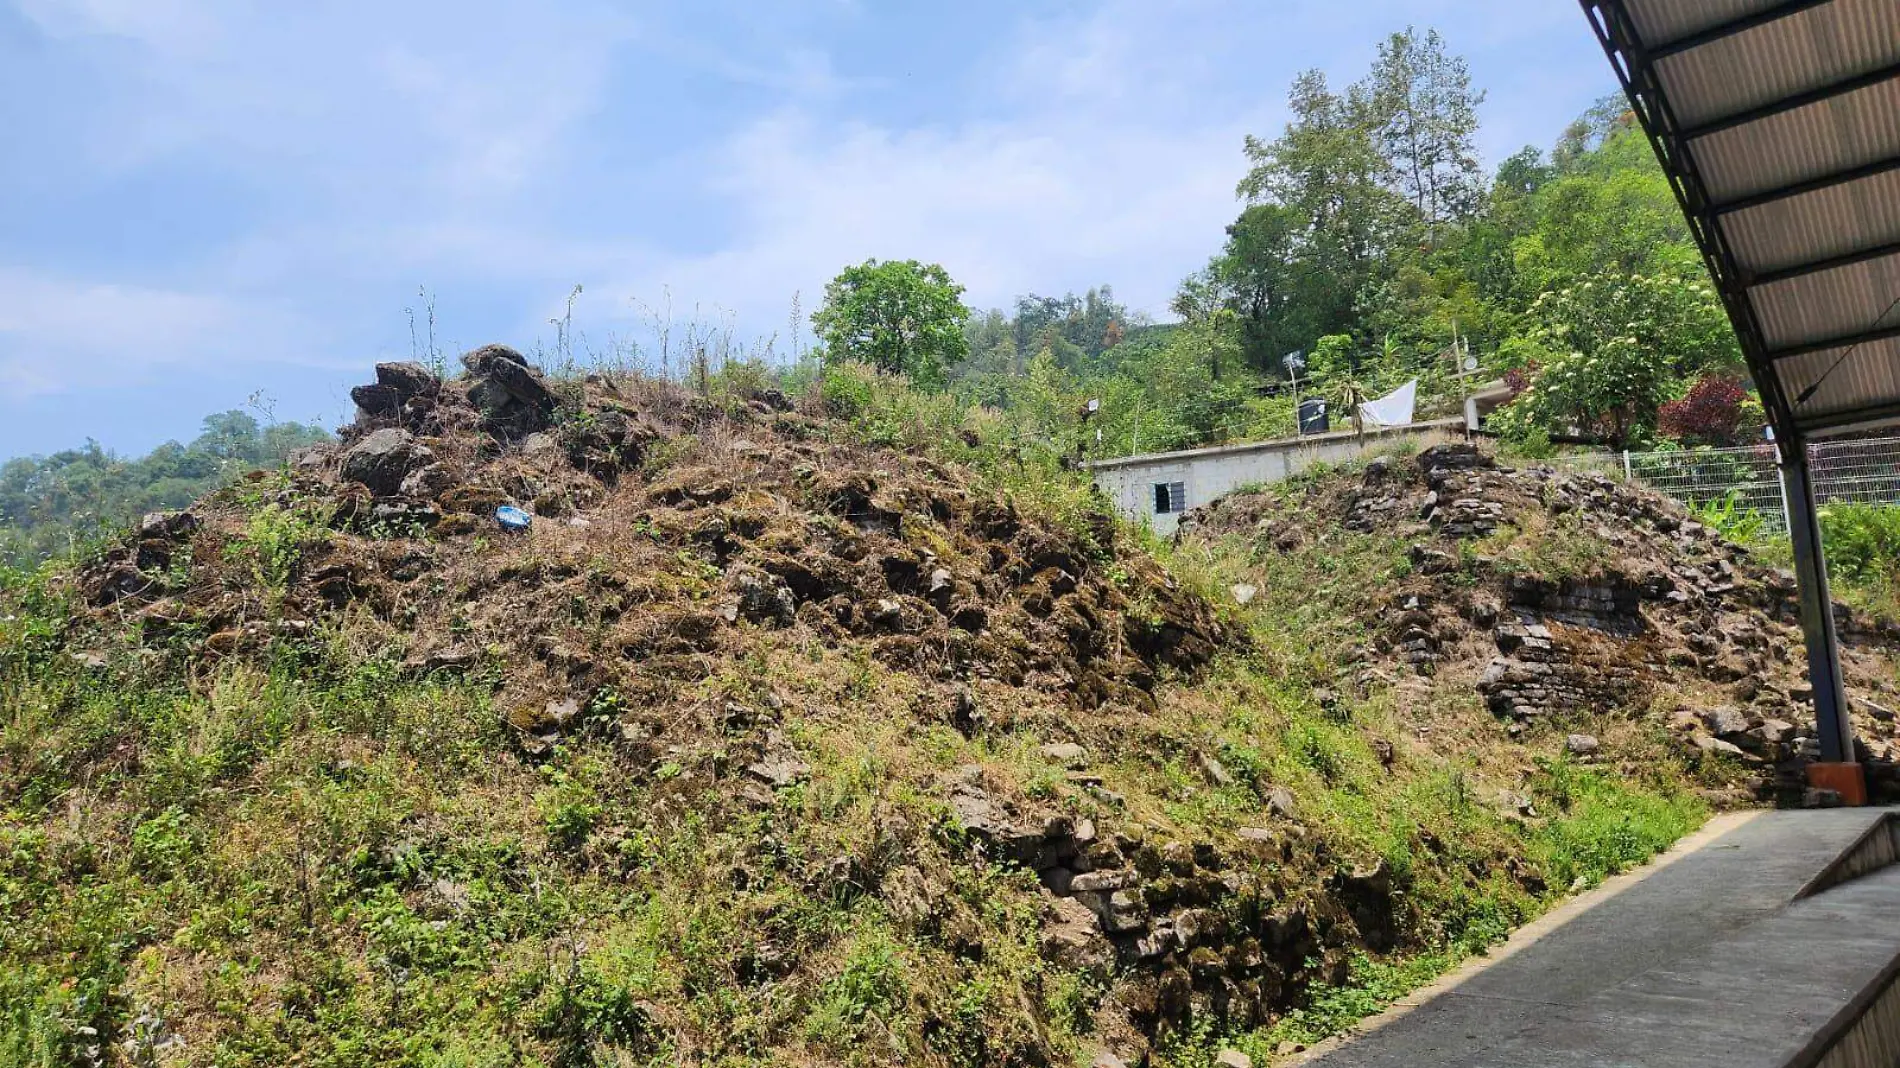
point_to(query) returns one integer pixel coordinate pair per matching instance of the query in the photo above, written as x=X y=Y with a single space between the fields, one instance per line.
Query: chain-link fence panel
x=1745 y=477
x=1867 y=471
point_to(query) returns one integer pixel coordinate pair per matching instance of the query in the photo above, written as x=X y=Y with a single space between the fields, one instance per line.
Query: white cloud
x=1103 y=171
x=508 y=150
x=358 y=100
x=173 y=26
x=59 y=333
x=1007 y=208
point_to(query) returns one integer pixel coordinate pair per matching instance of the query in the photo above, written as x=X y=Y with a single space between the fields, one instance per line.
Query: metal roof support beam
x=1634 y=63
x=1820 y=424
x=1845 y=259
x=1813 y=185
x=1637 y=74
x=1817 y=614
x=1730 y=29
x=1792 y=103
x=1810 y=348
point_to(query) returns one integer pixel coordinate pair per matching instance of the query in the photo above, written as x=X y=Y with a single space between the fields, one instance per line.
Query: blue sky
x=206 y=200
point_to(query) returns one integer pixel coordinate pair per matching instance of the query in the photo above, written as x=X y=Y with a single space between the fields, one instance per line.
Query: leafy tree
x=50 y=503
x=1265 y=277
x=1326 y=171
x=1075 y=328
x=1425 y=124
x=1589 y=133
x=1522 y=173
x=1333 y=356
x=1611 y=212
x=1166 y=395
x=901 y=316
x=1617 y=344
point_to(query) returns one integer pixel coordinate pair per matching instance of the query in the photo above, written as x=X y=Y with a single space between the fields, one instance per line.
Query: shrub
x=864 y=989
x=274 y=542
x=1731 y=518
x=1862 y=540
x=1709 y=414
x=848 y=389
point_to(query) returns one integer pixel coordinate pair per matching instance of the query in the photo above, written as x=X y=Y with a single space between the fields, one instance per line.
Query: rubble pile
x=1652 y=603
x=669 y=538
x=642 y=584
x=1195 y=930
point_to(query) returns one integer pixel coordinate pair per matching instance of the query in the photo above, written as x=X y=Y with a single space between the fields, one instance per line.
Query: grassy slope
x=1471 y=866
x=311 y=856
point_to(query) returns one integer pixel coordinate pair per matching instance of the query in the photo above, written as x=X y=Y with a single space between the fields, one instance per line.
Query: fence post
x=1781 y=483
x=1627 y=476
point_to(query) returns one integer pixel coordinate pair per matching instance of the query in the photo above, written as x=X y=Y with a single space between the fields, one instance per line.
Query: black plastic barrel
x=1313 y=416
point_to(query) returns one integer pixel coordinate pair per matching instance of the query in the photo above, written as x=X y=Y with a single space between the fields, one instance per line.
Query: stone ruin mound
x=1650 y=602
x=675 y=536
x=669 y=532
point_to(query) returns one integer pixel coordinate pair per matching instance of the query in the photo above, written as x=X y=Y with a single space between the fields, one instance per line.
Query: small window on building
x=1170 y=497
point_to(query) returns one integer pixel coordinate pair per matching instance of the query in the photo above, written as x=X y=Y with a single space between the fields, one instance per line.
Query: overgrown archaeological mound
x=343 y=770
x=836 y=728
x=671 y=536
x=1556 y=596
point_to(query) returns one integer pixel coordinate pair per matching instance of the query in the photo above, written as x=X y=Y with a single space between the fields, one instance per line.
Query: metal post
x=1781 y=483
x=1626 y=466
x=1817 y=608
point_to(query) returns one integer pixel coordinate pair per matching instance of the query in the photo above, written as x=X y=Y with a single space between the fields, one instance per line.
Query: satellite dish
x=1471 y=363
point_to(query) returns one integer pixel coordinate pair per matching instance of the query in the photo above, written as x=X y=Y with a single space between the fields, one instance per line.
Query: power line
x=1808 y=393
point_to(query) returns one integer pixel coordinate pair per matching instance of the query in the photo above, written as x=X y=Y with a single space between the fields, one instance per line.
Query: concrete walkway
x=1703 y=958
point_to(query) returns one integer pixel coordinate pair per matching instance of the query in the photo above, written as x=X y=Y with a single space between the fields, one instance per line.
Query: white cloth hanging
x=1393 y=409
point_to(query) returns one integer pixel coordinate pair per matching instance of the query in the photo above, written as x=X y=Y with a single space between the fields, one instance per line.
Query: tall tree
x=902 y=316
x=1074 y=327
x=1425 y=122
x=1590 y=132
x=1326 y=171
x=1264 y=276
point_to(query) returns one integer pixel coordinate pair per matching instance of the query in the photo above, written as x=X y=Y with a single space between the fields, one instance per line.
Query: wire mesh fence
x=1745 y=477
x=1866 y=471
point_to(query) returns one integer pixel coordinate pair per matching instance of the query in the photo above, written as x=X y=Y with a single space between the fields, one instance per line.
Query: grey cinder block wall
x=1140 y=486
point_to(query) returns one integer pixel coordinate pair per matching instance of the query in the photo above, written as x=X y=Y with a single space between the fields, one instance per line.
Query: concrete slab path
x=1702 y=958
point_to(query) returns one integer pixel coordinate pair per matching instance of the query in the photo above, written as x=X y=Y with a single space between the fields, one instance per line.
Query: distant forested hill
x=47 y=503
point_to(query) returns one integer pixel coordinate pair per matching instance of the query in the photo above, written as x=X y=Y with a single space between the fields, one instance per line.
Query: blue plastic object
x=512 y=518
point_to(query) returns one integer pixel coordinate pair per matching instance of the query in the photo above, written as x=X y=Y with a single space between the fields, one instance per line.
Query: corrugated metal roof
x=1823 y=138
x=1816 y=47
x=1663 y=23
x=1826 y=222
x=1873 y=368
x=1779 y=122
x=1828 y=304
